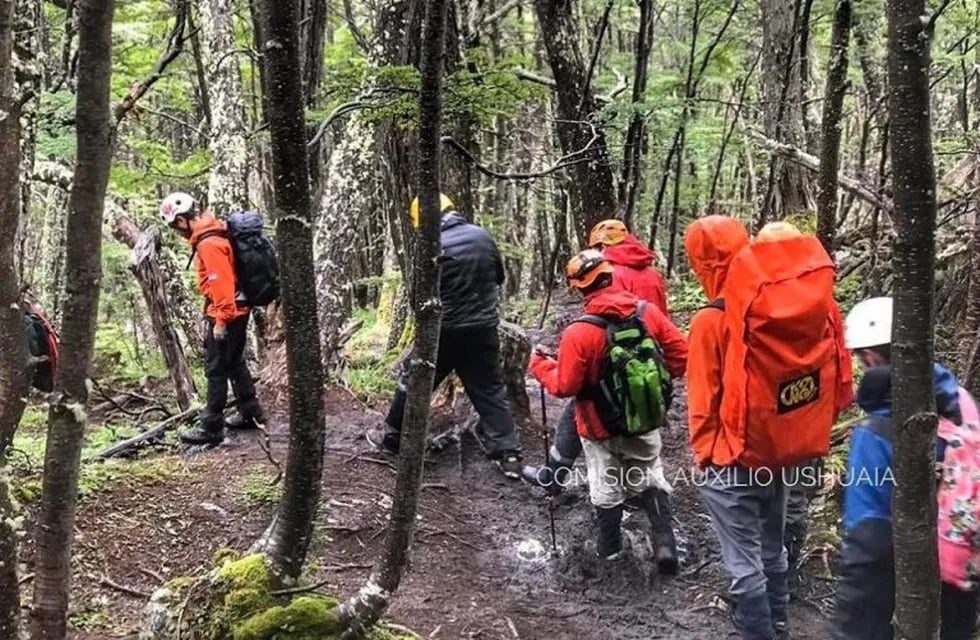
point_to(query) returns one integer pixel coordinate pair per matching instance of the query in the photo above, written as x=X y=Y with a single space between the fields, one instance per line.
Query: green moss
x=305 y=618
x=247 y=589
x=259 y=491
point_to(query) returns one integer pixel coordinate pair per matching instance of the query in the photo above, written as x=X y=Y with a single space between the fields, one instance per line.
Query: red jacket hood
x=206 y=223
x=630 y=253
x=711 y=243
x=612 y=303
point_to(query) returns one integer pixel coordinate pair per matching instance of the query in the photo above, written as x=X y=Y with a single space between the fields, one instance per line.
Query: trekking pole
x=544 y=408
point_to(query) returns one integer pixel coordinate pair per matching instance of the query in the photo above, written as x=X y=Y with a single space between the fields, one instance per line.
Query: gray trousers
x=748 y=510
x=802 y=484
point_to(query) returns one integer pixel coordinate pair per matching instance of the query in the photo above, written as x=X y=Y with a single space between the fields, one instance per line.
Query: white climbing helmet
x=869 y=324
x=176 y=204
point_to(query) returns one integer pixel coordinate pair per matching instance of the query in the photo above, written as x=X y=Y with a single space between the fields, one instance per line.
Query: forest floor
x=481 y=566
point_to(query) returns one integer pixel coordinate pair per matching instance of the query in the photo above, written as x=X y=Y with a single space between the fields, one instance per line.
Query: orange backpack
x=782 y=366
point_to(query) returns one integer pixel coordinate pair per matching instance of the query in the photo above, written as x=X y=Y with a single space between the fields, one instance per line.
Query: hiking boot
x=383 y=439
x=509 y=465
x=238 y=422
x=656 y=504
x=202 y=435
x=777 y=590
x=551 y=476
x=609 y=543
x=752 y=616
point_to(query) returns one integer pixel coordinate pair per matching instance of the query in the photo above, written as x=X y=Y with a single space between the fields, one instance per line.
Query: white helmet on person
x=869 y=324
x=177 y=204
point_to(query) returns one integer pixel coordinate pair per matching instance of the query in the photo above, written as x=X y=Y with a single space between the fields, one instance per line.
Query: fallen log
x=146 y=436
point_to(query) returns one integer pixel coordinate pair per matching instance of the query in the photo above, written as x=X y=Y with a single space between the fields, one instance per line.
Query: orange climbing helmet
x=585 y=268
x=608 y=232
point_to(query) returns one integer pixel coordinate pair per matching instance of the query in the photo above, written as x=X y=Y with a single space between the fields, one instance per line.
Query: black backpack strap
x=594 y=320
x=716 y=304
x=204 y=236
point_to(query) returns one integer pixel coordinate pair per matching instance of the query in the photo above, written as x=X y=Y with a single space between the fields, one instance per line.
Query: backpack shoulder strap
x=718 y=303
x=204 y=236
x=594 y=320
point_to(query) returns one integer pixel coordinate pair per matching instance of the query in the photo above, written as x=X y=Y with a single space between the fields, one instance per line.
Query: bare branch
x=530 y=76
x=563 y=162
x=175 y=46
x=499 y=13
x=852 y=185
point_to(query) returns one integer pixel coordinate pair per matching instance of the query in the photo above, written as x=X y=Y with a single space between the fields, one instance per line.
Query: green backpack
x=634 y=390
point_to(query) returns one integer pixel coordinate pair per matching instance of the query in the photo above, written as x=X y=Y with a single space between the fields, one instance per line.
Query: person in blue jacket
x=865 y=595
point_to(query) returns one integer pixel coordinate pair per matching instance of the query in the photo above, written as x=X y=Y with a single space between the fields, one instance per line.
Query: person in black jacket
x=472 y=272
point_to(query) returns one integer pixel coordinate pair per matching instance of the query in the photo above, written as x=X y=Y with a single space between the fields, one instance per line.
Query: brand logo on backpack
x=798 y=392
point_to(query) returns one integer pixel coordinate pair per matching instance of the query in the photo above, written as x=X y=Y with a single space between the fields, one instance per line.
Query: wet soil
x=482 y=565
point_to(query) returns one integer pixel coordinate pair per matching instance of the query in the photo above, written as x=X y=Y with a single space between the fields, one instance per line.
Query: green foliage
x=89 y=620
x=27 y=460
x=369 y=370
x=686 y=295
x=118 y=359
x=259 y=491
x=55 y=126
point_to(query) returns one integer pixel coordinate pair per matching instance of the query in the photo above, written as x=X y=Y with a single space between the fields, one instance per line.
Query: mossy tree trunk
x=364 y=609
x=289 y=538
x=913 y=409
x=66 y=418
x=228 y=184
x=13 y=340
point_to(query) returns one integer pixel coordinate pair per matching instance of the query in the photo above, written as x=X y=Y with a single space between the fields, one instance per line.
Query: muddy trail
x=482 y=565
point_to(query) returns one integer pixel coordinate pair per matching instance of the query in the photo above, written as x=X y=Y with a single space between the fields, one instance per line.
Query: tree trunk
x=13 y=342
x=228 y=184
x=66 y=418
x=789 y=186
x=592 y=190
x=292 y=529
x=630 y=179
x=831 y=126
x=913 y=409
x=28 y=70
x=366 y=607
x=348 y=188
x=145 y=266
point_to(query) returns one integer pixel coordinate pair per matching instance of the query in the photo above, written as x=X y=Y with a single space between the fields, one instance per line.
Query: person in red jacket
x=633 y=271
x=227 y=334
x=632 y=262
x=619 y=467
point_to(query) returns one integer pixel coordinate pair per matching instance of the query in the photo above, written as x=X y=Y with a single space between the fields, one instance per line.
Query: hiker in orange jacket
x=227 y=333
x=619 y=466
x=633 y=271
x=740 y=454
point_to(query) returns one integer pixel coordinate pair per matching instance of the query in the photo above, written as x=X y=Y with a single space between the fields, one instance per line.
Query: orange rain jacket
x=215 y=269
x=582 y=352
x=711 y=244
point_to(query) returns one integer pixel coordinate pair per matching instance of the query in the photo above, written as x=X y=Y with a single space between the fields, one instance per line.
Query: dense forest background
x=555 y=114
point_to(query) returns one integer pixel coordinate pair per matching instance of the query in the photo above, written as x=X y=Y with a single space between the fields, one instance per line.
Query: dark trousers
x=959 y=613
x=224 y=362
x=474 y=354
x=865 y=600
x=568 y=446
